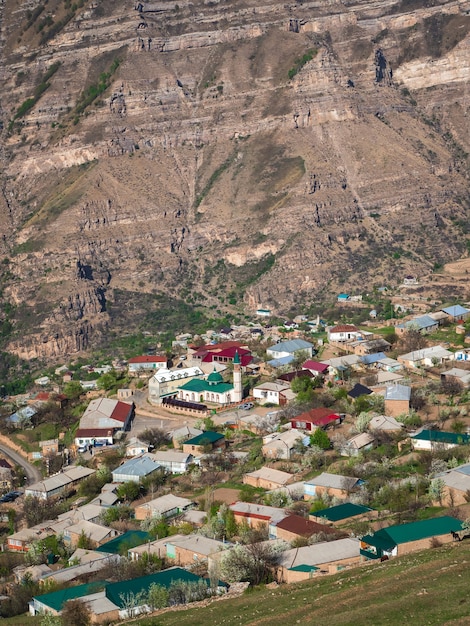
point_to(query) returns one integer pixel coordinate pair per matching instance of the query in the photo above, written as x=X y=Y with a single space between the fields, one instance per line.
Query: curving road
x=32 y=473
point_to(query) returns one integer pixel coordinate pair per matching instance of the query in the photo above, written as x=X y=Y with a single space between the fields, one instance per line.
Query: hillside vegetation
x=423 y=588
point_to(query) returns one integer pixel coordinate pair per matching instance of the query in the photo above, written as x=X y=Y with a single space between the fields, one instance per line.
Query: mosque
x=213 y=389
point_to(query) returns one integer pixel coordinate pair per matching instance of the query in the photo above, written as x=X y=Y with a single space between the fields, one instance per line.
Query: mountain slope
x=235 y=155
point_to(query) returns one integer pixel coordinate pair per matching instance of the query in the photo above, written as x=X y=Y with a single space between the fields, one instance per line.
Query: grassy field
x=424 y=588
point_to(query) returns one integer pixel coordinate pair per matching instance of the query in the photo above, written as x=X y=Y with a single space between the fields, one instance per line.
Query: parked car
x=246 y=406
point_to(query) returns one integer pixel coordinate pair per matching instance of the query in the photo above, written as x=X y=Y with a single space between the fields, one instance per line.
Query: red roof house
x=315 y=367
x=315 y=418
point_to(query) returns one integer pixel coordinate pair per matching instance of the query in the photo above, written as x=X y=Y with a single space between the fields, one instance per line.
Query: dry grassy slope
x=202 y=149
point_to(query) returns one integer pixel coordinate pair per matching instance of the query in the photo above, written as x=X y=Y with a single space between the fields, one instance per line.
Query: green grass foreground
x=430 y=587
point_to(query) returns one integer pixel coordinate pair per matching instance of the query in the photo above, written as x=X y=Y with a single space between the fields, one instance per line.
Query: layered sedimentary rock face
x=234 y=155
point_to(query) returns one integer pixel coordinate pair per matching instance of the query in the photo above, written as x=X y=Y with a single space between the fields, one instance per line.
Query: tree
x=303 y=387
x=73 y=390
x=412 y=340
x=436 y=490
x=155 y=437
x=320 y=439
x=129 y=491
x=252 y=563
x=362 y=421
x=107 y=381
x=76 y=613
x=84 y=541
x=157 y=597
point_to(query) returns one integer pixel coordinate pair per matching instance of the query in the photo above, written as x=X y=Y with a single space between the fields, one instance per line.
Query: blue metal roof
x=367 y=359
x=294 y=345
x=456 y=310
x=142 y=466
x=421 y=323
x=283 y=360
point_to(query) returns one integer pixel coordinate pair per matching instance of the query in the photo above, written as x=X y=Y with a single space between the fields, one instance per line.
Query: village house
x=333 y=485
x=173 y=461
x=426 y=357
x=385 y=423
x=338 y=367
x=135 y=470
x=437 y=440
x=267 y=478
x=282 y=445
x=136 y=447
x=316 y=418
x=106 y=418
x=189 y=550
x=208 y=440
x=180 y=435
x=369 y=346
x=357 y=444
x=456 y=374
x=425 y=324
x=317 y=368
x=290 y=349
x=456 y=312
x=59 y=483
x=406 y=538
x=96 y=534
x=106 y=601
x=340 y=513
x=143 y=365
x=256 y=515
x=397 y=400
x=343 y=332
x=165 y=506
x=456 y=485
x=225 y=353
x=294 y=527
x=273 y=393
x=306 y=562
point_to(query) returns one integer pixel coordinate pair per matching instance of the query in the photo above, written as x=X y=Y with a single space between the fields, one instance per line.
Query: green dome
x=215 y=378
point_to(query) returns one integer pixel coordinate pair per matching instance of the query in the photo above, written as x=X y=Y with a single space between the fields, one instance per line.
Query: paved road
x=32 y=473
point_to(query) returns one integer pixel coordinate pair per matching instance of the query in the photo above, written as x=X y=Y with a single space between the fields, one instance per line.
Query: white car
x=246 y=406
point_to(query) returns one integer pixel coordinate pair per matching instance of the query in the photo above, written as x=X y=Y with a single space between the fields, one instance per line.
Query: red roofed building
x=222 y=353
x=92 y=436
x=343 y=332
x=294 y=526
x=102 y=419
x=142 y=364
x=315 y=418
x=315 y=367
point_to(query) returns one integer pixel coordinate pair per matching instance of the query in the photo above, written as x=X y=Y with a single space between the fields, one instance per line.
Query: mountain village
x=255 y=454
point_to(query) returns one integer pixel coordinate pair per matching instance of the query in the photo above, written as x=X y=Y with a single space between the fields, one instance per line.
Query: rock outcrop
x=274 y=152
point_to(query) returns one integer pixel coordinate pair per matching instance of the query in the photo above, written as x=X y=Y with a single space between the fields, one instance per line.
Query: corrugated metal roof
x=117 y=592
x=57 y=599
x=130 y=539
x=342 y=511
x=414 y=531
x=207 y=436
x=139 y=467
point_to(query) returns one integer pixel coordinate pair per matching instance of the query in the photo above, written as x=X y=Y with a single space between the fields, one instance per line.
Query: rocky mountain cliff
x=230 y=154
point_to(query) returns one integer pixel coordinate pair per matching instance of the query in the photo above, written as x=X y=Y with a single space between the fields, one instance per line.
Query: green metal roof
x=438 y=436
x=124 y=542
x=388 y=538
x=304 y=568
x=199 y=386
x=56 y=599
x=342 y=511
x=117 y=592
x=208 y=436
